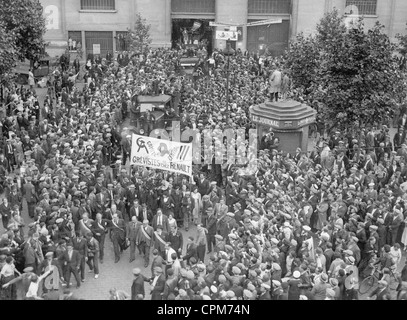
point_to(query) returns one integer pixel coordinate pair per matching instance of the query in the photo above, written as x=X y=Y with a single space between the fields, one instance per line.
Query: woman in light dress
x=171 y=221
x=31 y=81
x=197 y=200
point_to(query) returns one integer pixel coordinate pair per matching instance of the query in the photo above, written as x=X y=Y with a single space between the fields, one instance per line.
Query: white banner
x=161 y=154
x=226 y=35
x=263 y=22
x=96 y=48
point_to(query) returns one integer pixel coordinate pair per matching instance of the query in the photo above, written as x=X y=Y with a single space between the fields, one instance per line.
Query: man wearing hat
x=319 y=289
x=211 y=227
x=30 y=196
x=93 y=253
x=203 y=184
x=49 y=263
x=191 y=250
x=158 y=284
x=137 y=286
x=264 y=292
x=23 y=282
x=71 y=259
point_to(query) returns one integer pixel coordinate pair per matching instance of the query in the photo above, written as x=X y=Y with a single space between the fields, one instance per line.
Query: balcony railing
x=365 y=7
x=97 y=4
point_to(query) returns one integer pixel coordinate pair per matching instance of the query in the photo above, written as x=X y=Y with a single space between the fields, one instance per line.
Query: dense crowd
x=303 y=226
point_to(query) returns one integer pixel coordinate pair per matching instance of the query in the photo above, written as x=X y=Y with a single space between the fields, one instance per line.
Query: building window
x=365 y=7
x=74 y=40
x=193 y=6
x=97 y=4
x=269 y=6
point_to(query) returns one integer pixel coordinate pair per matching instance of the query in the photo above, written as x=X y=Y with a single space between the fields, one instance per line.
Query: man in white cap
x=158 y=284
x=293 y=286
x=264 y=292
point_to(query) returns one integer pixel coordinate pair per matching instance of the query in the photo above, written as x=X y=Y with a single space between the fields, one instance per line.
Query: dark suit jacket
x=156 y=293
x=203 y=186
x=165 y=224
x=133 y=212
x=158 y=261
x=149 y=215
x=191 y=252
x=120 y=230
x=75 y=261
x=80 y=246
x=131 y=230
x=211 y=225
x=29 y=192
x=101 y=204
x=138 y=286
x=97 y=229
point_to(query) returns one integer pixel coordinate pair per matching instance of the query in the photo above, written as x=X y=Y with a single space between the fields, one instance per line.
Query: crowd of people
x=303 y=226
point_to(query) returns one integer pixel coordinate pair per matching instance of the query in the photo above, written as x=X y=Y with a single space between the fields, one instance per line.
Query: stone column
x=294 y=18
x=83 y=45
x=114 y=43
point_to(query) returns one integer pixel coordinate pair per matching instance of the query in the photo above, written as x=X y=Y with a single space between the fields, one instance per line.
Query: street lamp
x=228 y=52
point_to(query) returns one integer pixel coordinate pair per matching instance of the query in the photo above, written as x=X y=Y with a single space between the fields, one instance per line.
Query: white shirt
x=154 y=281
x=169 y=253
x=33 y=288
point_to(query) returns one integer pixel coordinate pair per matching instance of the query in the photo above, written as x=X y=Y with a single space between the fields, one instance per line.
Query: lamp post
x=228 y=52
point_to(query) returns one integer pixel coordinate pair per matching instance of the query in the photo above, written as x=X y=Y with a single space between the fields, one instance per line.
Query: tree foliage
x=138 y=39
x=21 y=32
x=349 y=76
x=8 y=49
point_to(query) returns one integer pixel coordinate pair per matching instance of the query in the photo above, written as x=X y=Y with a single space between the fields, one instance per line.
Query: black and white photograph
x=221 y=151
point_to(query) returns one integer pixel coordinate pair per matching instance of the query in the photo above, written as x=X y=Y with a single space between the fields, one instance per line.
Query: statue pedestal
x=289 y=120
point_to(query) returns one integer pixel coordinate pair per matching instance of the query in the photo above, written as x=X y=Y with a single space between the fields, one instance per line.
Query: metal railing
x=97 y=4
x=365 y=7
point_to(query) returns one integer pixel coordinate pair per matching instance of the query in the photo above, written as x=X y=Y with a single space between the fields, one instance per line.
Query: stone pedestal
x=289 y=120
